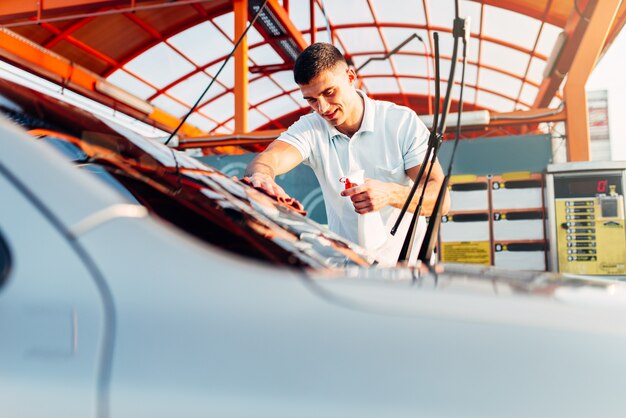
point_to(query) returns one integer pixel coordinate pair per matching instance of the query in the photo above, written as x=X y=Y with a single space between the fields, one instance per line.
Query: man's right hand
x=278 y=158
x=267 y=183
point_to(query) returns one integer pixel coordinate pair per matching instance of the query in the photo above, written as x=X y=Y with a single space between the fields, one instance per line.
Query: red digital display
x=587 y=186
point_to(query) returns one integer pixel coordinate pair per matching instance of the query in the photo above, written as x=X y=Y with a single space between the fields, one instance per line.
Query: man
x=348 y=133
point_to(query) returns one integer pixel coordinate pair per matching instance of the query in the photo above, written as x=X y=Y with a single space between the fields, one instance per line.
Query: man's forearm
x=401 y=193
x=256 y=166
x=278 y=158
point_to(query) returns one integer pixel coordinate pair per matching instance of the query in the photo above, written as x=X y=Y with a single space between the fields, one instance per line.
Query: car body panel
x=248 y=340
x=171 y=326
x=51 y=318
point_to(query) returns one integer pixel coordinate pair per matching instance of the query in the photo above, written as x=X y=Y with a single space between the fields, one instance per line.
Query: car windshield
x=180 y=189
x=76 y=155
x=69 y=150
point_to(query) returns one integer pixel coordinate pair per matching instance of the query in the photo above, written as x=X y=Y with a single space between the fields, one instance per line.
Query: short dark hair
x=315 y=59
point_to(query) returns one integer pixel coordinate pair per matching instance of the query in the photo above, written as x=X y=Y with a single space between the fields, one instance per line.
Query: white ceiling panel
x=280 y=106
x=170 y=106
x=497 y=24
x=399 y=11
x=494 y=102
x=262 y=89
x=381 y=85
x=194 y=42
x=189 y=90
x=201 y=122
x=500 y=83
x=256 y=119
x=221 y=108
x=131 y=84
x=361 y=40
x=499 y=56
x=347 y=12
x=160 y=65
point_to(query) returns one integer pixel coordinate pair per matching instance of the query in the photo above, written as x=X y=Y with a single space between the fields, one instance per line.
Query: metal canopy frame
x=74 y=31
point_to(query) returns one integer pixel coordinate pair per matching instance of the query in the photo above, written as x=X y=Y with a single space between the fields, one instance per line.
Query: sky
x=609 y=75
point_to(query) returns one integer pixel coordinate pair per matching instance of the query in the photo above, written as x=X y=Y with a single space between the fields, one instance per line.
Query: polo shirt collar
x=367 y=124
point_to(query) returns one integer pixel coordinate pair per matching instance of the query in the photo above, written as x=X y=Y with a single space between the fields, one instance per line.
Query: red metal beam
x=167 y=34
x=143 y=25
x=59 y=70
x=159 y=37
x=386 y=47
x=476 y=87
x=618 y=25
x=230 y=139
x=575 y=29
x=262 y=137
x=533 y=116
x=598 y=23
x=439 y=29
x=525 y=78
x=24 y=13
x=41 y=61
x=534 y=8
x=333 y=35
x=312 y=20
x=67 y=32
x=241 y=66
x=480 y=48
x=81 y=45
x=283 y=17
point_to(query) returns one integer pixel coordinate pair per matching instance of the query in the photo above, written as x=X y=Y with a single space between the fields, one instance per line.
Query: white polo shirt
x=391 y=140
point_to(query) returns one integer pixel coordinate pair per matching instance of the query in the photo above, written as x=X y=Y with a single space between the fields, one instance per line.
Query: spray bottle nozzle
x=347 y=182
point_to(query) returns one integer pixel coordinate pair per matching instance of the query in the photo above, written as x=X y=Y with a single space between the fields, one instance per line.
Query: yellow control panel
x=585 y=213
x=590 y=234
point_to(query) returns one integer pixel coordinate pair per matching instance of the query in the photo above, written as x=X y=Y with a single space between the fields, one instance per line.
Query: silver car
x=107 y=310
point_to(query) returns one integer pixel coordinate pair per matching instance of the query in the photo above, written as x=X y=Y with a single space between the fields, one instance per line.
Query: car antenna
x=232 y=52
x=460 y=30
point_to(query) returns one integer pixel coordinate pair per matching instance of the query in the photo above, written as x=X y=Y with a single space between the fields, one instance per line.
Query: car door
x=52 y=325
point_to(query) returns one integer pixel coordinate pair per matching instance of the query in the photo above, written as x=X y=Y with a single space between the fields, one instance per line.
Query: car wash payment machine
x=585 y=203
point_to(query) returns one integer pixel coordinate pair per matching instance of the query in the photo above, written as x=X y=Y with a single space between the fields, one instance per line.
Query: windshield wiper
x=460 y=31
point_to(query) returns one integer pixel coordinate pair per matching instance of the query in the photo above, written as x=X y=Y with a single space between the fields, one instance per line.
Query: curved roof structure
x=167 y=52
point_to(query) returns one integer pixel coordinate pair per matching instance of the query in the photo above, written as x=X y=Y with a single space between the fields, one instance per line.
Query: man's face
x=331 y=94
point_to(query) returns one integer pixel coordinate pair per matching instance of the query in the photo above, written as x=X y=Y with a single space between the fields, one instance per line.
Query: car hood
x=480 y=294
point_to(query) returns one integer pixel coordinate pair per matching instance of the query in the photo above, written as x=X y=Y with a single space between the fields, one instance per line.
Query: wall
x=483 y=156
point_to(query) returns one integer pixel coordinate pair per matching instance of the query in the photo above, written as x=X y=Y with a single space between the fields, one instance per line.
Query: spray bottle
x=372 y=233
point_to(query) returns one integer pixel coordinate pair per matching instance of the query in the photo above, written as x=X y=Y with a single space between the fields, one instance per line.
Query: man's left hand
x=371 y=196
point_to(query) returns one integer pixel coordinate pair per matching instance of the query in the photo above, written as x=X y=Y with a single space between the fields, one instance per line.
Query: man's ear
x=351 y=76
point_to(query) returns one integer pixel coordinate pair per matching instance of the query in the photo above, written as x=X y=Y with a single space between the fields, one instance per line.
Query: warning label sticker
x=466 y=252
